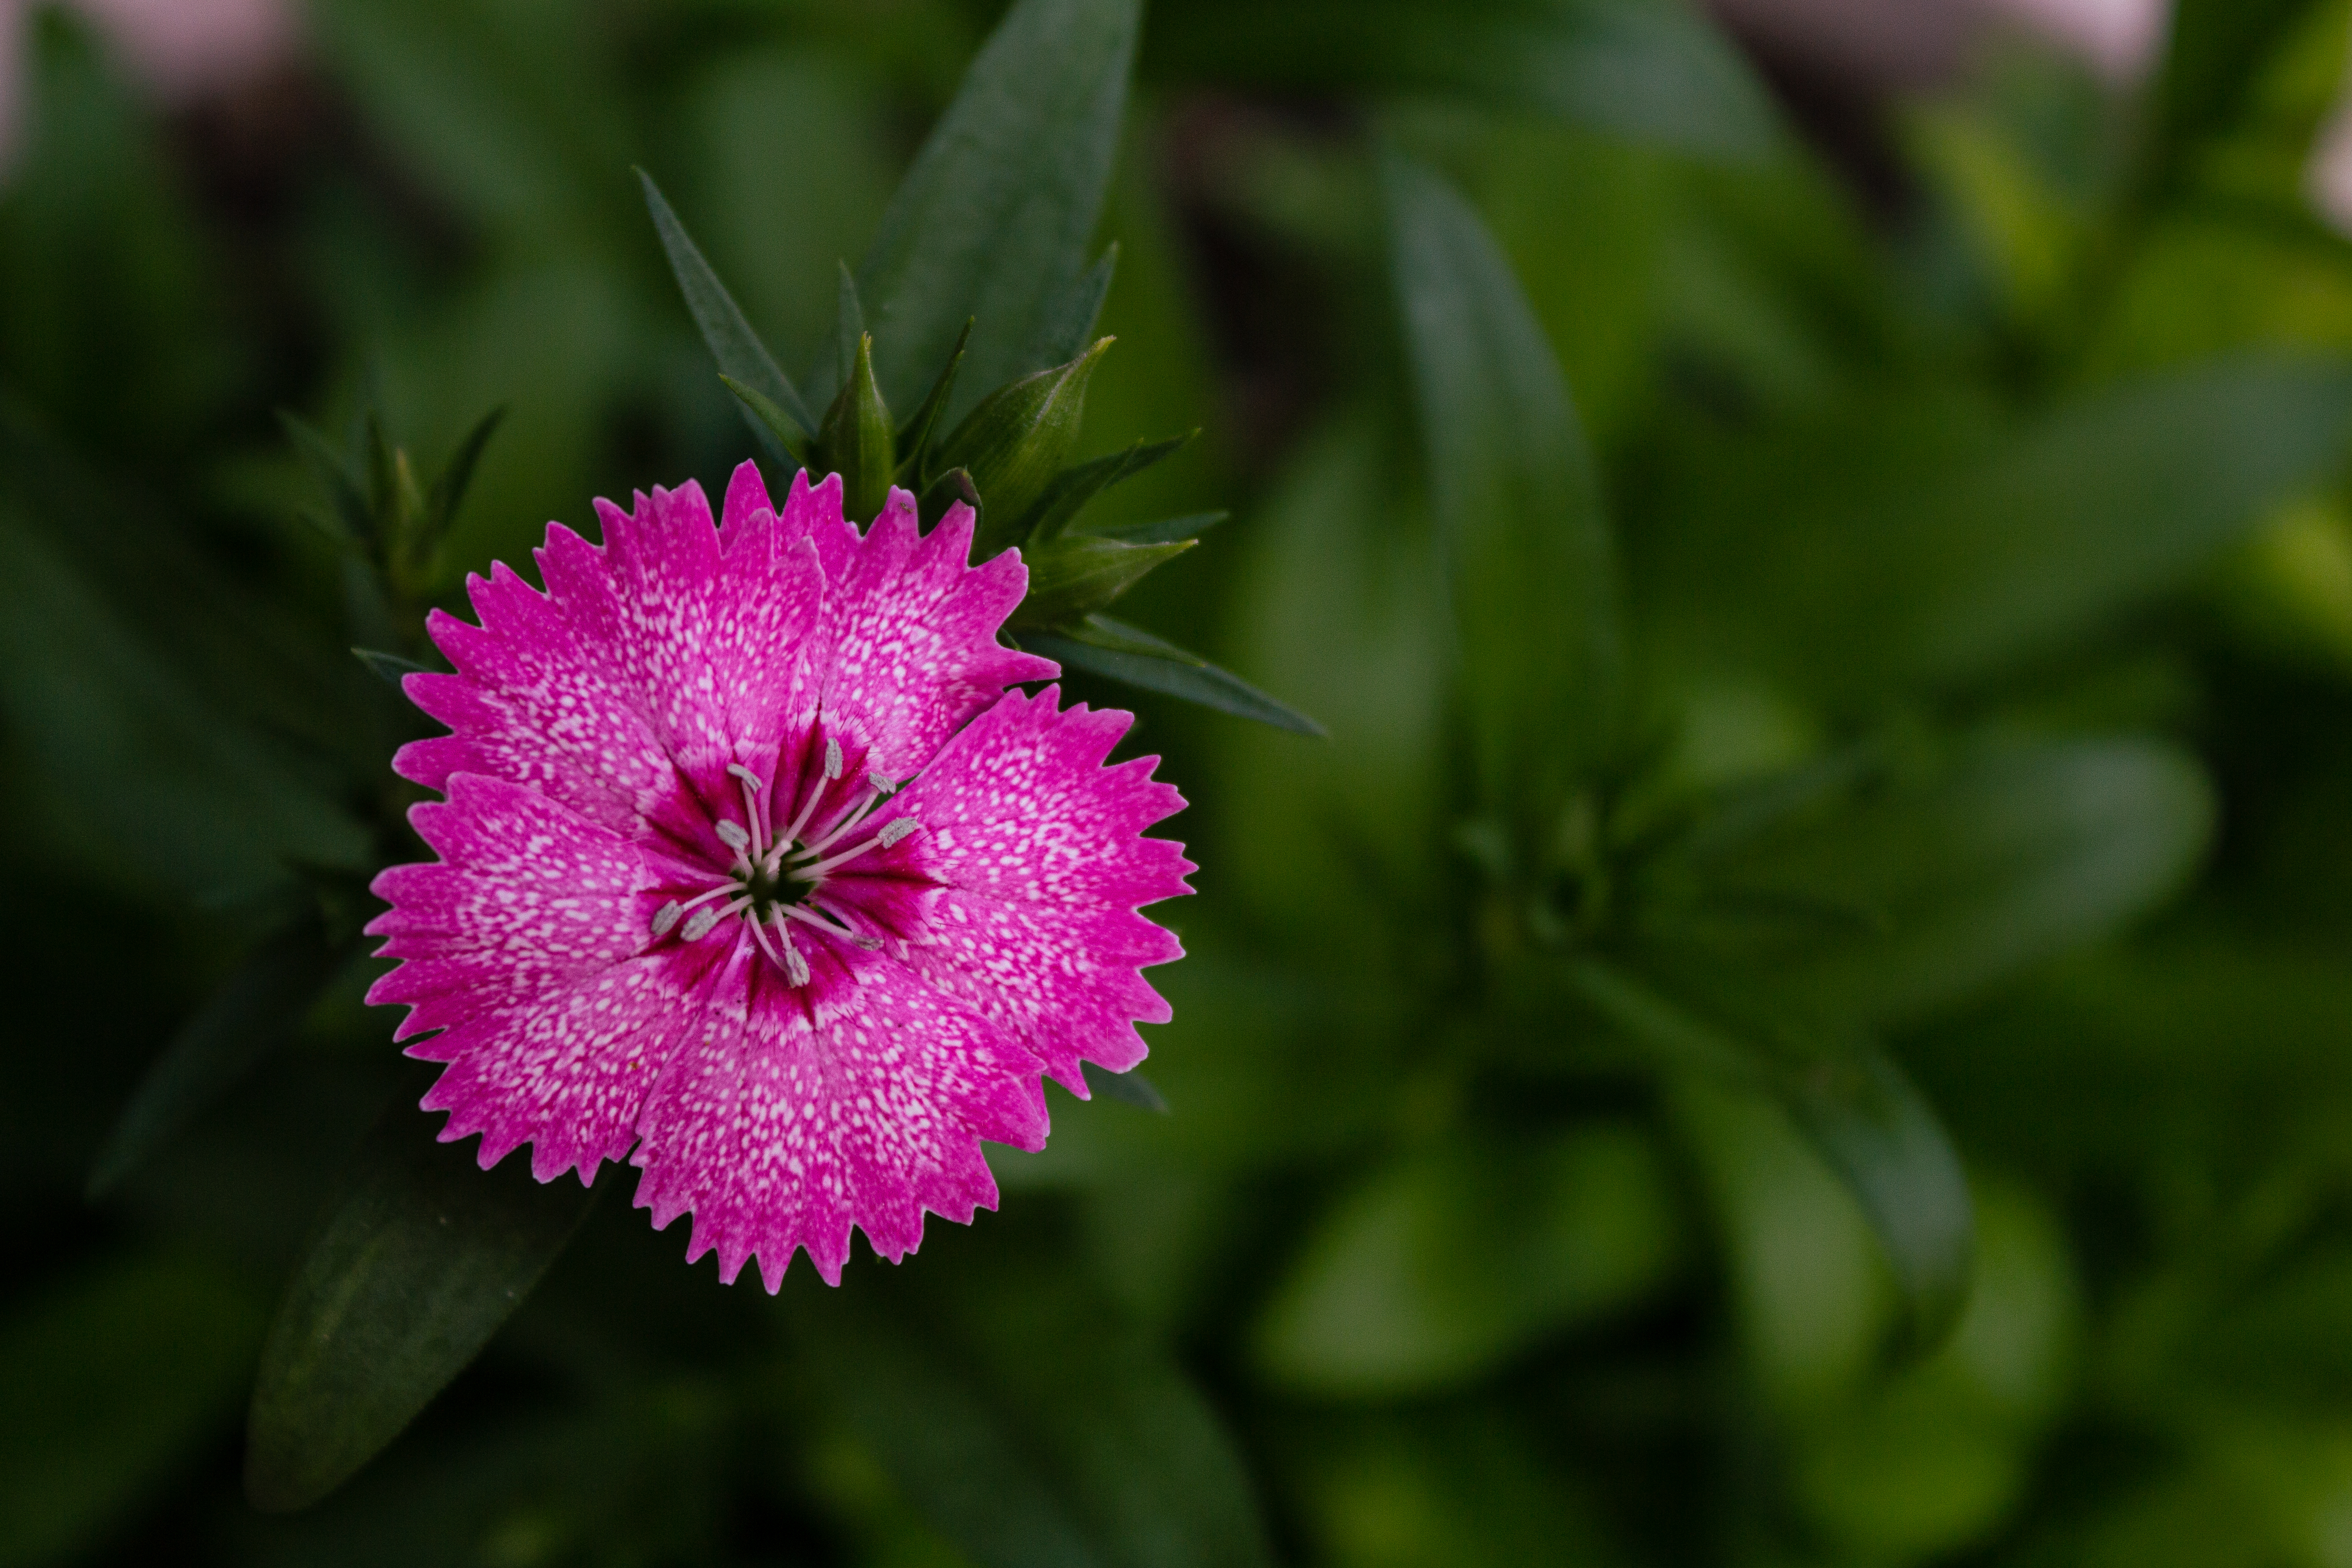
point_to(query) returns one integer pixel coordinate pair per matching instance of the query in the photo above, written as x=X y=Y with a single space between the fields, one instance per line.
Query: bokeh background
x=1959 y=376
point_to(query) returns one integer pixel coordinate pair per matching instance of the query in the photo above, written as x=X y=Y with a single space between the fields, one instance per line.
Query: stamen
x=796 y=969
x=882 y=786
x=883 y=839
x=720 y=892
x=848 y=820
x=731 y=834
x=760 y=936
x=808 y=809
x=751 y=812
x=840 y=926
x=704 y=919
x=668 y=916
x=831 y=758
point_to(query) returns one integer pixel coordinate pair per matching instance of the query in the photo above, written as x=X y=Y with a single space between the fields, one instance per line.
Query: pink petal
x=781 y=1130
x=747 y=496
x=1039 y=850
x=656 y=653
x=522 y=946
x=907 y=650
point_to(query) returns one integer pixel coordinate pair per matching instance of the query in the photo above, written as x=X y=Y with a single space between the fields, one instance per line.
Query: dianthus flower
x=754 y=871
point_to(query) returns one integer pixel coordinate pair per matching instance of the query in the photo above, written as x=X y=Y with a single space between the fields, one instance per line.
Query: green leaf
x=1120 y=652
x=1897 y=894
x=1073 y=578
x=1444 y=1264
x=848 y=327
x=1652 y=70
x=1853 y=1103
x=1014 y=442
x=1070 y=324
x=993 y=220
x=1024 y=1424
x=390 y=668
x=1073 y=488
x=1532 y=569
x=114 y=1382
x=2211 y=69
x=334 y=475
x=1910 y=540
x=456 y=476
x=758 y=407
x=252 y=1014
x=732 y=342
x=855 y=440
x=1130 y=1088
x=914 y=436
x=1161 y=530
x=422 y=1256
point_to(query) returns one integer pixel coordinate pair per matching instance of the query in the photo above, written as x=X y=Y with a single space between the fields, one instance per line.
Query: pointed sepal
x=855 y=440
x=1017 y=440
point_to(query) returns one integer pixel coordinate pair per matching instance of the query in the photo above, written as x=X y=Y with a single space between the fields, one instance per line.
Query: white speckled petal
x=1040 y=853
x=781 y=1130
x=521 y=946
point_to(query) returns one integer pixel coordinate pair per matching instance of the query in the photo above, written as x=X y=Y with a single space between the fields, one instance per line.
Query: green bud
x=1073 y=576
x=1016 y=441
x=855 y=439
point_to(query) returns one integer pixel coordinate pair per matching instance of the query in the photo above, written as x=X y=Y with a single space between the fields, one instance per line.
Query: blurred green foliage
x=1799 y=1016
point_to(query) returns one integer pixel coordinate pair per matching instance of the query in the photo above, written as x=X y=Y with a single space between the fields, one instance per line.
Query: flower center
x=778 y=879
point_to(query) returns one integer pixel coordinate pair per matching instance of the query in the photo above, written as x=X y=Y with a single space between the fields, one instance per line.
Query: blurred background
x=1960 y=374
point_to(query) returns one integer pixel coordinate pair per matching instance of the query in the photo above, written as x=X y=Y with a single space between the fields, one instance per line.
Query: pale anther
x=894 y=831
x=668 y=916
x=832 y=759
x=731 y=834
x=880 y=784
x=746 y=774
x=704 y=919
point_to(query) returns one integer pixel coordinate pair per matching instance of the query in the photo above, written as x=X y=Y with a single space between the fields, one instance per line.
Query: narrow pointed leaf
x=334 y=475
x=729 y=336
x=781 y=435
x=1870 y=1125
x=1532 y=570
x=1161 y=530
x=914 y=436
x=1073 y=488
x=389 y=667
x=848 y=323
x=1073 y=578
x=1130 y=1088
x=1070 y=324
x=993 y=220
x=252 y=1014
x=421 y=1258
x=457 y=475
x=1123 y=653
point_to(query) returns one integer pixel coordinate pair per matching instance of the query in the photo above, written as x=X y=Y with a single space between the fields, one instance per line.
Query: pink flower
x=752 y=870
